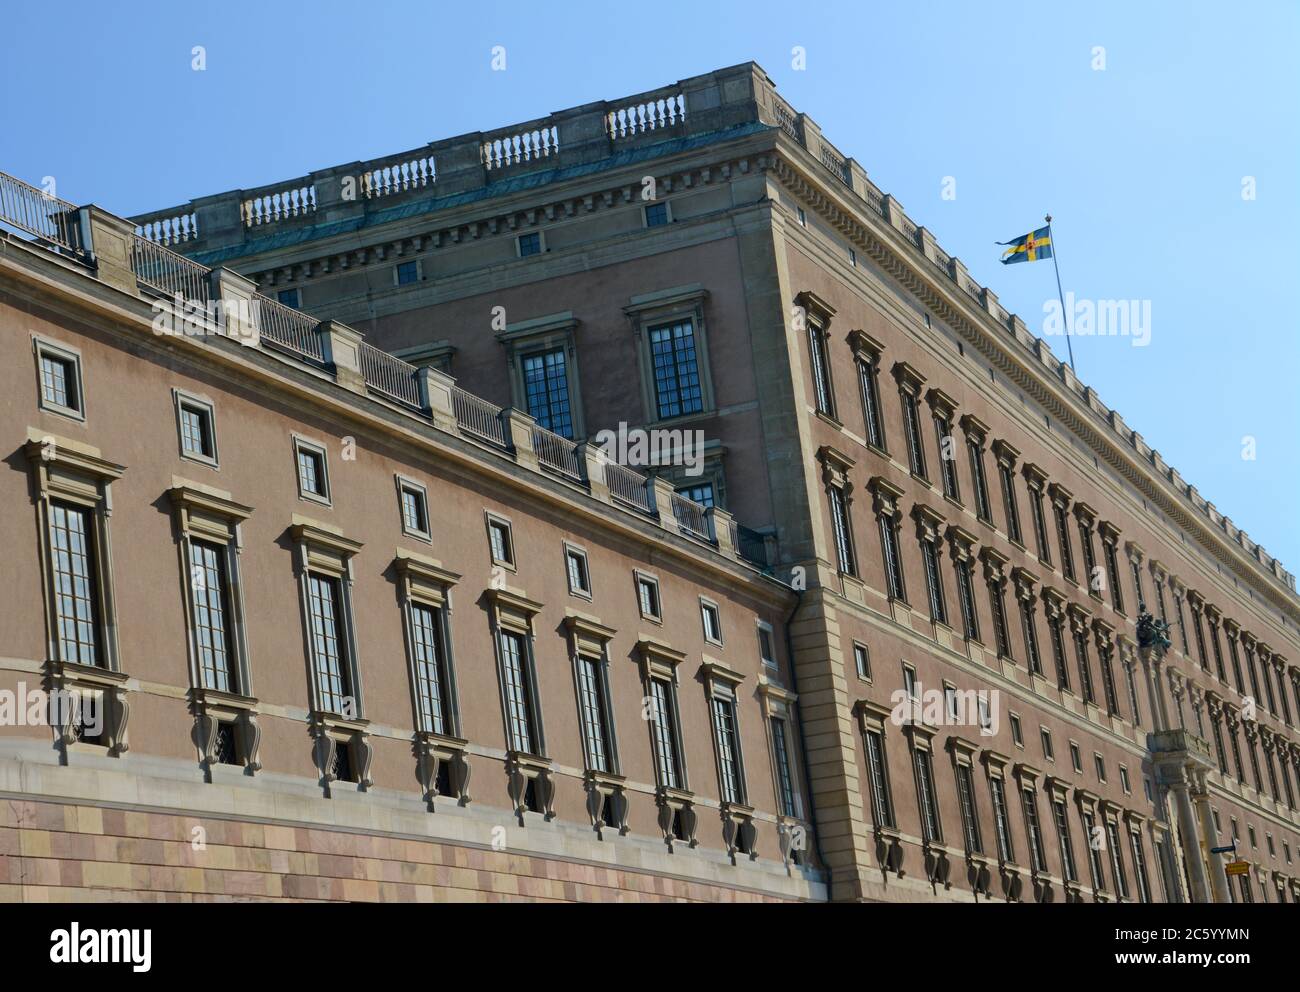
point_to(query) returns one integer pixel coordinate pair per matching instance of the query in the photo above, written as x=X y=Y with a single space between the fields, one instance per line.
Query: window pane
x=426 y=642
x=518 y=710
x=594 y=724
x=331 y=675
x=546 y=391
x=211 y=627
x=195 y=436
x=676 y=370
x=724 y=728
x=74 y=583
x=665 y=733
x=56 y=381
x=783 y=776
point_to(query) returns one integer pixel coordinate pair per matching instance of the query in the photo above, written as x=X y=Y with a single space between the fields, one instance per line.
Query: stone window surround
x=659 y=660
x=669 y=306
x=979 y=864
x=324 y=550
x=910 y=385
x=211 y=516
x=1006 y=456
x=184 y=398
x=403 y=483
x=835 y=475
x=639 y=576
x=490 y=518
x=541 y=334
x=867 y=353
x=1010 y=872
x=75 y=473
x=779 y=702
x=886 y=506
x=937 y=856
x=42 y=345
x=303 y=443
x=577 y=550
x=606 y=790
x=423 y=581
x=738 y=830
x=819 y=312
x=944 y=408
x=889 y=849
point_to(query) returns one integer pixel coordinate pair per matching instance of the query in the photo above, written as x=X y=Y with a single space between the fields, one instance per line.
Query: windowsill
x=201 y=460
x=954 y=501
x=416 y=535
x=314 y=498
x=66 y=412
x=882 y=452
x=831 y=419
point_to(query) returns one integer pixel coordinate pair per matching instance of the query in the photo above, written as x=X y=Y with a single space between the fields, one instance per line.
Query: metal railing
x=628 y=486
x=35 y=212
x=390 y=376
x=691 y=518
x=164 y=271
x=478 y=417
x=288 y=328
x=558 y=453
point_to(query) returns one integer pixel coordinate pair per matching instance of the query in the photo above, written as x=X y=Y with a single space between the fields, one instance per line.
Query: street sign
x=1237 y=868
x=1223 y=850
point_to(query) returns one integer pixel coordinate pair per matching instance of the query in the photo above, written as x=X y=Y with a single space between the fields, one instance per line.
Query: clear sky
x=1142 y=162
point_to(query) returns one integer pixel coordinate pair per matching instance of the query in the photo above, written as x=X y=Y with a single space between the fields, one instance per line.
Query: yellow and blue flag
x=1028 y=247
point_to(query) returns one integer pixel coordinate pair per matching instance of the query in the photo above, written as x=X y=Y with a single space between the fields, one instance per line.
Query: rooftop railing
x=165 y=271
x=32 y=211
x=288 y=328
x=478 y=417
x=557 y=453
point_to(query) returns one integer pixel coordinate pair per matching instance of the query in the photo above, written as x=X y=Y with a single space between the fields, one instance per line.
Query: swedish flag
x=1028 y=247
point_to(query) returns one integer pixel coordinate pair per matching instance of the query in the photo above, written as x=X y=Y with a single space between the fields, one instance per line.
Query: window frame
x=70 y=357
x=490 y=520
x=638 y=578
x=405 y=484
x=707 y=604
x=419 y=272
x=645 y=213
x=574 y=552
x=649 y=312
x=325 y=555
x=183 y=401
x=301 y=445
x=519 y=243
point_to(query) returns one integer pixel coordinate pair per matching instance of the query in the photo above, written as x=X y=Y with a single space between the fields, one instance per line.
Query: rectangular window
x=983 y=510
x=407 y=273
x=909 y=682
x=1140 y=866
x=290 y=298
x=969 y=815
x=893 y=563
x=1076 y=759
x=313 y=472
x=501 y=542
x=415 y=509
x=1046 y=736
x=198 y=435
x=333 y=676
x=1099 y=763
x=712 y=622
x=1040 y=524
x=1089 y=559
x=596 y=723
x=529 y=244
x=1063 y=535
x=882 y=805
x=1056 y=626
x=656 y=214
x=678 y=389
x=843 y=531
x=784 y=778
x=431 y=677
x=520 y=719
x=701 y=493
x=1094 y=852
x=72 y=554
x=912 y=430
x=724 y=737
x=930 y=827
x=1116 y=858
x=1001 y=821
x=209 y=591
x=966 y=594
x=934 y=582
x=546 y=391
x=1124 y=781
x=1009 y=503
x=820 y=369
x=1061 y=814
x=1001 y=635
x=1017 y=737
x=647 y=595
x=663 y=726
x=575 y=565
x=1037 y=853
x=766 y=651
x=871 y=404
x=1030 y=627
x=862 y=662
x=59 y=371
x=1112 y=575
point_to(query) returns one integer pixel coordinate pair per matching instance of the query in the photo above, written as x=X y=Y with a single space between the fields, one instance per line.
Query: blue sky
x=1141 y=163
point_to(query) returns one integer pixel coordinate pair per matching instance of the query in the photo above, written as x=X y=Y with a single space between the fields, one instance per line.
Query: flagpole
x=1069 y=345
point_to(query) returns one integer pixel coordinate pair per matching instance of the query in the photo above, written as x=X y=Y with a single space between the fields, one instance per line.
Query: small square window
x=1076 y=759
x=803 y=217
x=290 y=298
x=647 y=597
x=1046 y=736
x=862 y=661
x=712 y=621
x=530 y=244
x=313 y=471
x=1017 y=737
x=656 y=214
x=59 y=373
x=407 y=273
x=501 y=542
x=1123 y=780
x=195 y=423
x=766 y=649
x=575 y=565
x=1100 y=763
x=414 y=505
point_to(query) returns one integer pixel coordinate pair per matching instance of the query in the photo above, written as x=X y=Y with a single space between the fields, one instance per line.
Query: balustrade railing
x=35 y=212
x=288 y=328
x=166 y=272
x=398 y=174
x=691 y=518
x=390 y=376
x=520 y=143
x=651 y=111
x=628 y=486
x=270 y=205
x=558 y=453
x=168 y=228
x=478 y=417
